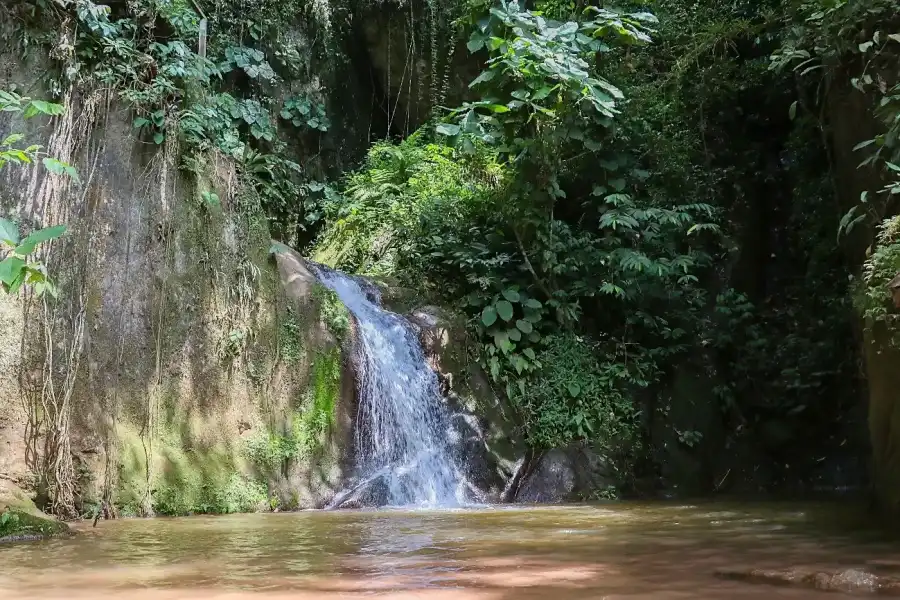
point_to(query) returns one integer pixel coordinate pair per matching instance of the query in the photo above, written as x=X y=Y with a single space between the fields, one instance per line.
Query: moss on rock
x=20 y=519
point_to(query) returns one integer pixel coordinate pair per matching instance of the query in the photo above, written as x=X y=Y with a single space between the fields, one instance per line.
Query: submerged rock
x=848 y=581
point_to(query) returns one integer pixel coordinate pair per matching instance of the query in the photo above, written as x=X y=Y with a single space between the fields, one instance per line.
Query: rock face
x=565 y=474
x=187 y=377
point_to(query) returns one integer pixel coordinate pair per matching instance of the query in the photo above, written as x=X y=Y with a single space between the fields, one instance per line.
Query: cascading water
x=403 y=428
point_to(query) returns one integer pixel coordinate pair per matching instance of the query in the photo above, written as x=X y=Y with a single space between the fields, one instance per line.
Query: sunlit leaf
x=9 y=232
x=37 y=237
x=449 y=129
x=10 y=269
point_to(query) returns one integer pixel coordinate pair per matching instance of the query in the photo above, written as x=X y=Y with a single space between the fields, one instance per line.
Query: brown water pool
x=613 y=551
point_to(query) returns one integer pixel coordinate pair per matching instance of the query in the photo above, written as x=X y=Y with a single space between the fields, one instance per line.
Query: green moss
x=333 y=312
x=19 y=523
x=185 y=481
x=272 y=451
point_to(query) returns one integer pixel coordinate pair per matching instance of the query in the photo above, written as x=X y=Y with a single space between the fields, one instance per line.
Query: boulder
x=21 y=520
x=551 y=480
x=565 y=474
x=372 y=492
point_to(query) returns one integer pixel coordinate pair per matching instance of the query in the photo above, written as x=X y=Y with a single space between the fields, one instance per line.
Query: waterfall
x=403 y=428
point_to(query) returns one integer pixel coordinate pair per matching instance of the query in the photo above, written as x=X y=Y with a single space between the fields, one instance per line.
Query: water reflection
x=562 y=553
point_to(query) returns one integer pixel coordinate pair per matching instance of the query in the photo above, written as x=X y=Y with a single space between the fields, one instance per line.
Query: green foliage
x=333 y=312
x=509 y=323
x=290 y=339
x=233 y=344
x=9 y=522
x=223 y=102
x=513 y=220
x=16 y=266
x=540 y=79
x=823 y=39
x=581 y=390
x=403 y=194
x=874 y=300
x=232 y=494
x=250 y=60
x=305 y=112
x=16 y=269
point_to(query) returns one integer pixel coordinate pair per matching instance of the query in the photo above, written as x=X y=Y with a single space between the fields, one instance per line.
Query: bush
x=574 y=396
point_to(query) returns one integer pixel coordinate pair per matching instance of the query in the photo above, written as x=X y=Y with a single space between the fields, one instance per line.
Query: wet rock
x=848 y=581
x=296 y=277
x=562 y=474
x=480 y=432
x=482 y=474
x=552 y=480
x=853 y=580
x=371 y=493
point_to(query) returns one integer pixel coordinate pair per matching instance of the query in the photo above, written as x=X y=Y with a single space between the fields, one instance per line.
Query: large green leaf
x=37 y=237
x=17 y=282
x=60 y=168
x=489 y=316
x=511 y=295
x=9 y=232
x=505 y=310
x=447 y=129
x=10 y=269
x=524 y=326
x=41 y=107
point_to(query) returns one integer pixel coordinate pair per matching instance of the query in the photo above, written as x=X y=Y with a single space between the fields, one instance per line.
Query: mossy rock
x=21 y=520
x=17 y=526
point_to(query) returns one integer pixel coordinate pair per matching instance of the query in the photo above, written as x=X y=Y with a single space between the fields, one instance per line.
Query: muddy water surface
x=614 y=551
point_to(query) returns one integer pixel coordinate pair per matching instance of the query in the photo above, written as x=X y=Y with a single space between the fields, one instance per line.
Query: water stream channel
x=611 y=551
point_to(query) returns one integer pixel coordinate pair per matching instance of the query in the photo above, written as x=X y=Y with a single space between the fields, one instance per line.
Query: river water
x=612 y=551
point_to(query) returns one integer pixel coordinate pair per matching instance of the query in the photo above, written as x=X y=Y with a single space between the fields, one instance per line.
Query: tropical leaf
x=511 y=295
x=37 y=237
x=9 y=232
x=505 y=310
x=10 y=269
